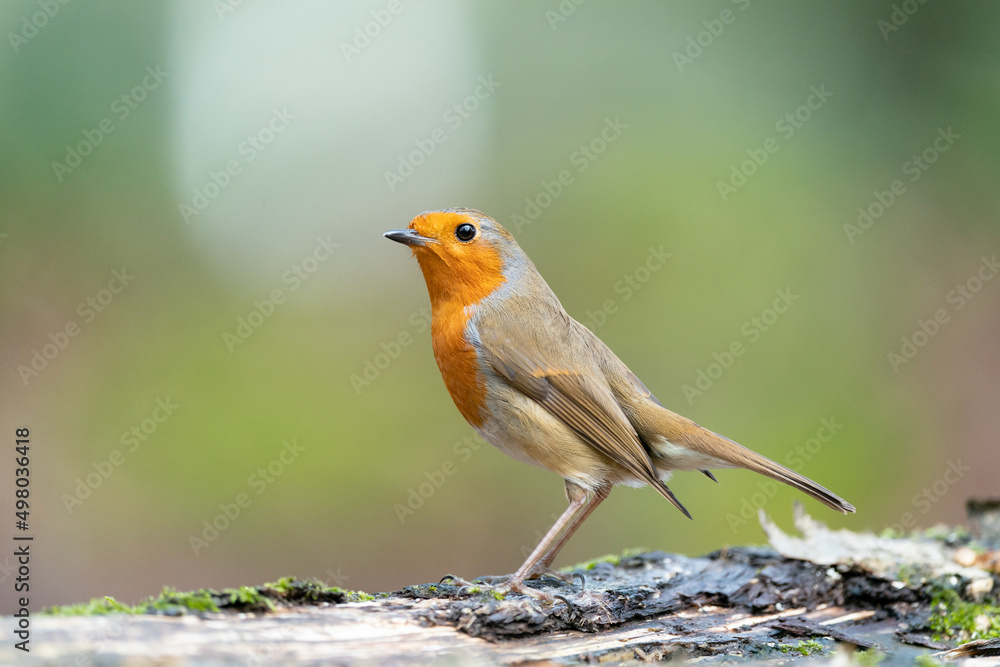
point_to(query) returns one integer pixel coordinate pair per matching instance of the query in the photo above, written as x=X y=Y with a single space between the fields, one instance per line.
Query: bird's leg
x=581 y=504
x=544 y=565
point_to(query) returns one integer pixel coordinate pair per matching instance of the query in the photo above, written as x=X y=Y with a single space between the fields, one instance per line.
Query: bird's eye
x=465 y=232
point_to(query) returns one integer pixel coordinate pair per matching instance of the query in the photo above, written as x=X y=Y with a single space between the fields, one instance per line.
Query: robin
x=541 y=387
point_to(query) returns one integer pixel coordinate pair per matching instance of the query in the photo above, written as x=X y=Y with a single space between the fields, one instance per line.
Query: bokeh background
x=313 y=113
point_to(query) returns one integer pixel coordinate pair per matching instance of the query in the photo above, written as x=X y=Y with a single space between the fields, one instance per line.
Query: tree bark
x=818 y=593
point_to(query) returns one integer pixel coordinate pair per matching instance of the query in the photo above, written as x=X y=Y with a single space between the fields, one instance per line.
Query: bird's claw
x=514 y=586
x=505 y=585
x=564 y=577
x=455 y=581
x=572 y=607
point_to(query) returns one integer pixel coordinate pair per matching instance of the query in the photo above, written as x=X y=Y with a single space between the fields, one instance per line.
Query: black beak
x=408 y=237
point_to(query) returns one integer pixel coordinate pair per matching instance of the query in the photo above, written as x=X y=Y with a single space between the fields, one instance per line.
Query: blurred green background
x=308 y=114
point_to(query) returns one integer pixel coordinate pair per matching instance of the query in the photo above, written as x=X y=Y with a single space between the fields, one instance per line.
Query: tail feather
x=681 y=431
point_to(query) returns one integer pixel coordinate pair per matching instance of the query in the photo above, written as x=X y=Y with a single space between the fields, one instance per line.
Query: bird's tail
x=680 y=431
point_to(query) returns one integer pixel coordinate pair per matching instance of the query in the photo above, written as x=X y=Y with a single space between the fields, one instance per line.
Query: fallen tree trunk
x=800 y=596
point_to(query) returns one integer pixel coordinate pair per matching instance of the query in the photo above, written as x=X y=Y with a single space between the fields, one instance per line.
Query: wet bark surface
x=800 y=598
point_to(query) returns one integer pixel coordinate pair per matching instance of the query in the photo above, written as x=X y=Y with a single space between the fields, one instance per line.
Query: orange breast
x=458 y=362
x=458 y=278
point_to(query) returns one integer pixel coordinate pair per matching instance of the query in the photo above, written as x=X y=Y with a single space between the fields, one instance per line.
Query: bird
x=544 y=389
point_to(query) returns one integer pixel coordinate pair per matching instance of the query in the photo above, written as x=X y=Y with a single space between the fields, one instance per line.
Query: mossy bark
x=801 y=596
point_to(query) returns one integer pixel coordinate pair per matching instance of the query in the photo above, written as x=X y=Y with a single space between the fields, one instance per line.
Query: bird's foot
x=514 y=584
x=456 y=581
x=565 y=577
x=499 y=587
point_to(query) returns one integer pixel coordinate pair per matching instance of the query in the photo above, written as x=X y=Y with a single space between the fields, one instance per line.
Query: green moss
x=948 y=534
x=283 y=585
x=168 y=601
x=954 y=618
x=614 y=559
x=926 y=661
x=591 y=564
x=870 y=658
x=247 y=596
x=913 y=576
x=497 y=595
x=292 y=589
x=173 y=601
x=359 y=596
x=96 y=607
x=806 y=647
x=245 y=599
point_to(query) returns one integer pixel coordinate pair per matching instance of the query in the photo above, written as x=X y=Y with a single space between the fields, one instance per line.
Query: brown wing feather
x=575 y=399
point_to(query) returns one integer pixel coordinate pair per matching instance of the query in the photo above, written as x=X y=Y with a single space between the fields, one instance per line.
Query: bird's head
x=465 y=255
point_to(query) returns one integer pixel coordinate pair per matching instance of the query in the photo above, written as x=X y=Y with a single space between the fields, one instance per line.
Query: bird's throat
x=463 y=281
x=456 y=287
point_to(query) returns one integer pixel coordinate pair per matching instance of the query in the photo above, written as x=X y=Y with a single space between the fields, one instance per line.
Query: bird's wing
x=579 y=401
